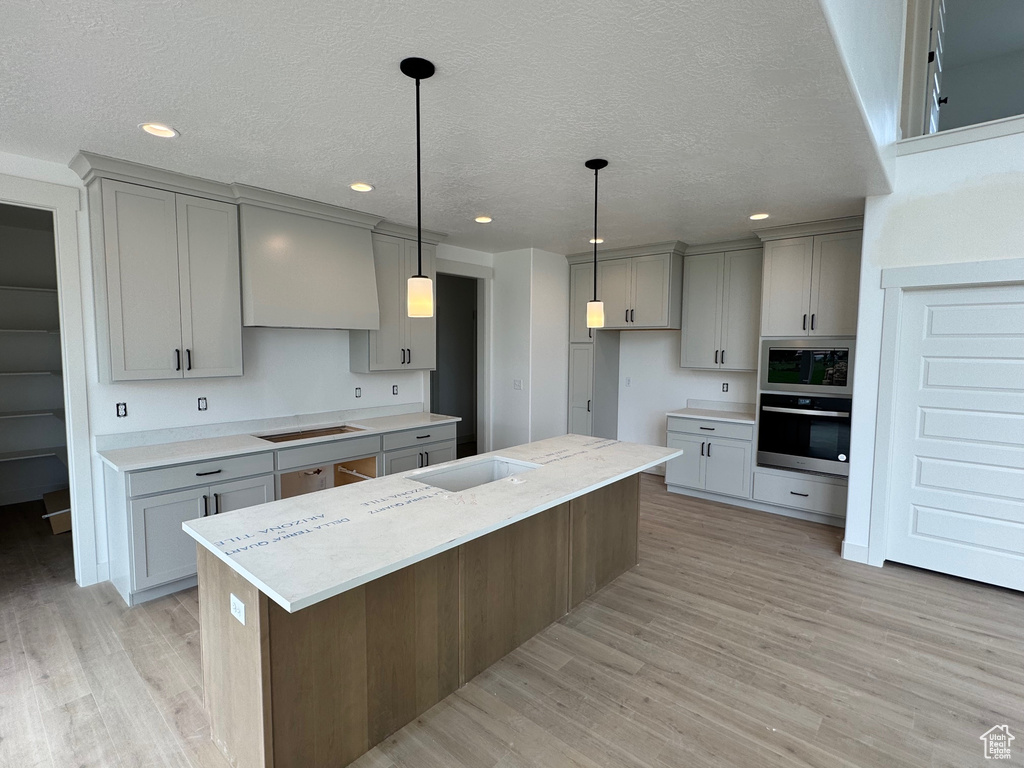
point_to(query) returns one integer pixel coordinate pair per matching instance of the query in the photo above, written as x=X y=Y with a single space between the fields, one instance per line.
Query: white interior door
x=956 y=500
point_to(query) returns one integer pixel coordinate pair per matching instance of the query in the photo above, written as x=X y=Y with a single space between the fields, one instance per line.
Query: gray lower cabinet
x=161 y=551
x=716 y=459
x=417 y=456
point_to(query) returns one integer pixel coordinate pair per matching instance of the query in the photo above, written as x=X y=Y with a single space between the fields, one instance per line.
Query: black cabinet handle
x=206 y=505
x=627 y=316
x=426 y=455
x=408 y=355
x=812 y=321
x=716 y=357
x=588 y=406
x=211 y=472
x=403 y=355
x=702 y=449
x=422 y=437
x=794 y=493
x=590 y=333
x=709 y=450
x=177 y=359
x=420 y=460
x=708 y=429
x=723 y=357
x=188 y=358
x=216 y=503
x=805 y=321
x=632 y=315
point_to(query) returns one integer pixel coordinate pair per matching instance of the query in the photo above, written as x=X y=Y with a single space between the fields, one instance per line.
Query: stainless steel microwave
x=808 y=366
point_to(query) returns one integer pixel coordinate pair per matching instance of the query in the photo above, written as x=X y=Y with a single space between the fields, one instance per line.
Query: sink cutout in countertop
x=463 y=476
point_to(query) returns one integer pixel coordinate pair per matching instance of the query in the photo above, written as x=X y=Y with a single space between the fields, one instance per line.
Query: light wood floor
x=742 y=639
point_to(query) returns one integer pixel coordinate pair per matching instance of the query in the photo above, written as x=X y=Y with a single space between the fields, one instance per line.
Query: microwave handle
x=806 y=412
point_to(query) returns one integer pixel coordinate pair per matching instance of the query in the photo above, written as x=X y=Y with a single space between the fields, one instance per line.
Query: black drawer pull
x=421 y=437
x=799 y=494
x=709 y=429
x=211 y=472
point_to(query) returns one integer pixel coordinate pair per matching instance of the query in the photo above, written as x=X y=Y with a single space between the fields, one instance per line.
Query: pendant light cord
x=595 y=234
x=419 y=193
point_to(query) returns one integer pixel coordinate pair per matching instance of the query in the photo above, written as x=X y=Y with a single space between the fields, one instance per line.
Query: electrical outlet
x=394 y=389
x=202 y=403
x=725 y=386
x=629 y=381
x=238 y=609
x=517 y=383
x=122 y=410
x=359 y=391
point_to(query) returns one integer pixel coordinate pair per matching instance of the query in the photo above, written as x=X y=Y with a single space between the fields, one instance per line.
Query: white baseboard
x=858 y=553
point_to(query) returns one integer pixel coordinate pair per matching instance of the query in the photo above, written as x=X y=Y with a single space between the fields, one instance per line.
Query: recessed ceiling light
x=483 y=219
x=759 y=216
x=598 y=240
x=159 y=129
x=361 y=186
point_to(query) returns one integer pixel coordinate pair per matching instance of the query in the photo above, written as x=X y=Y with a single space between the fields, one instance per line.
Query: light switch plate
x=394 y=389
x=238 y=609
x=202 y=404
x=359 y=391
x=725 y=386
x=517 y=383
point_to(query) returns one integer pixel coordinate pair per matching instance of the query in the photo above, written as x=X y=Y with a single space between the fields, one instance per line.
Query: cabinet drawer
x=711 y=428
x=800 y=493
x=410 y=437
x=327 y=453
x=200 y=473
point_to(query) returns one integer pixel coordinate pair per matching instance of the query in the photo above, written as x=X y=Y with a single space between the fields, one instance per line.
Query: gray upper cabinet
x=811 y=285
x=302 y=271
x=581 y=290
x=641 y=292
x=402 y=343
x=172 y=284
x=721 y=297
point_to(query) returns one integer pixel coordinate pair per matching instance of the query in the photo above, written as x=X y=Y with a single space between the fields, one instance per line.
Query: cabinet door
x=141 y=256
x=439 y=453
x=210 y=294
x=581 y=290
x=786 y=291
x=650 y=291
x=402 y=460
x=581 y=389
x=421 y=333
x=613 y=278
x=387 y=344
x=686 y=470
x=727 y=467
x=239 y=494
x=161 y=551
x=702 y=311
x=741 y=310
x=835 y=284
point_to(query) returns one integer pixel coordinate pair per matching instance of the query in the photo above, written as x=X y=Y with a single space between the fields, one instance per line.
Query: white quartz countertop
x=305 y=549
x=738 y=417
x=206 y=449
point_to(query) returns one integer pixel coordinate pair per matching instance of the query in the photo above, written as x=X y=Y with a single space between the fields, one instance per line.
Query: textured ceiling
x=707 y=111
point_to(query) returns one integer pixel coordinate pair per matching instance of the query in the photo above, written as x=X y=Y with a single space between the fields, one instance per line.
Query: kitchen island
x=331 y=620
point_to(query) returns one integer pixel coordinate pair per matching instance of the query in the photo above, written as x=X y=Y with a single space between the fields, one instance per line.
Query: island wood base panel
x=322 y=686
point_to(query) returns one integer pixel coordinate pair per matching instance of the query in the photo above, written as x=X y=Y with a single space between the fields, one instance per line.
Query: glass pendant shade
x=421 y=297
x=595 y=314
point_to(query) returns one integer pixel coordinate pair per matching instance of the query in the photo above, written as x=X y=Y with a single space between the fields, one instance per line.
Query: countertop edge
x=297 y=605
x=737 y=418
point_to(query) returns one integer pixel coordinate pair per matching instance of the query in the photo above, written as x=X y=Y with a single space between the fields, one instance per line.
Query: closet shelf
x=30 y=373
x=24 y=288
x=52 y=331
x=59 y=451
x=58 y=412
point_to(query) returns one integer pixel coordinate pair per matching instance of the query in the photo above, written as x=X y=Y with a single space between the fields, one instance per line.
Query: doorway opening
x=453 y=383
x=35 y=518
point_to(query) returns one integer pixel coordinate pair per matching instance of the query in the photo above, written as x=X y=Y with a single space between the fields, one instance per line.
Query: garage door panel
x=981 y=479
x=965 y=320
x=956 y=493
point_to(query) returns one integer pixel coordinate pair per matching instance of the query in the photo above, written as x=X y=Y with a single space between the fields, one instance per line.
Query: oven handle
x=806 y=412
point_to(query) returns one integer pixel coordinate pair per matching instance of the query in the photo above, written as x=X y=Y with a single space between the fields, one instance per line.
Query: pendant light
x=595 y=308
x=420 y=291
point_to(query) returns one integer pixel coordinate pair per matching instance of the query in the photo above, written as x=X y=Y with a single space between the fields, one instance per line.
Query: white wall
x=650 y=360
x=950 y=205
x=984 y=90
x=869 y=36
x=549 y=346
x=510 y=336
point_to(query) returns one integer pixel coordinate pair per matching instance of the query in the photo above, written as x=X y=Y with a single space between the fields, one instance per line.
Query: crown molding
x=92 y=167
x=407 y=232
x=824 y=227
x=672 y=246
x=746 y=244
